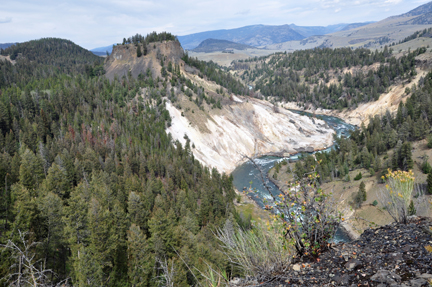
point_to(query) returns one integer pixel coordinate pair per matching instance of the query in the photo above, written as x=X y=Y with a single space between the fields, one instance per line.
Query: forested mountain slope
x=44 y=58
x=91 y=175
x=328 y=78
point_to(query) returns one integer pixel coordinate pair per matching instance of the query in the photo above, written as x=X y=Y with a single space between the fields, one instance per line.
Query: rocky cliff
x=123 y=59
x=249 y=127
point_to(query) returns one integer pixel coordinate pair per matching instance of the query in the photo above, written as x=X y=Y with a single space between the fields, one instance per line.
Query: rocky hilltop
x=123 y=59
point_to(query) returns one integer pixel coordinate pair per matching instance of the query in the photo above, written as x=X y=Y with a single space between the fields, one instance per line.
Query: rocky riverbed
x=392 y=255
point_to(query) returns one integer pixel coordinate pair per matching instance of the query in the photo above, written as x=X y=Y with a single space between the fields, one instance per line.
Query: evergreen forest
x=328 y=78
x=94 y=191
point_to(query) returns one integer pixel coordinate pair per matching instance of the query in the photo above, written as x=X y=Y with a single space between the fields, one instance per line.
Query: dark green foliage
x=362 y=191
x=358 y=176
x=411 y=209
x=429 y=141
x=375 y=203
x=429 y=183
x=418 y=34
x=426 y=167
x=368 y=145
x=150 y=38
x=40 y=59
x=139 y=53
x=360 y=196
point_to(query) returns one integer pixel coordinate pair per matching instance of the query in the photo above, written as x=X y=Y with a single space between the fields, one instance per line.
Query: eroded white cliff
x=249 y=127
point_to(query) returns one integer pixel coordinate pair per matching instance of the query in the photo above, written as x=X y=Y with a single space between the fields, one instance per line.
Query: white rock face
x=249 y=127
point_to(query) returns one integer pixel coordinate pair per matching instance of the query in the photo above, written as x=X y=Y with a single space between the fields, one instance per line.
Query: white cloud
x=244 y=12
x=5 y=20
x=392 y=2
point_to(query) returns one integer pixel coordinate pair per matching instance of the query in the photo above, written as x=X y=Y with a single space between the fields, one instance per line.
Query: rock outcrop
x=123 y=59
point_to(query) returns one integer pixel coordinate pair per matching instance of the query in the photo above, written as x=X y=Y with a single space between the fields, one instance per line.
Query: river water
x=248 y=176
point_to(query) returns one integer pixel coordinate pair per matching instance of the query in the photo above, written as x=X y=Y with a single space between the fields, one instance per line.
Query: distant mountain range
x=260 y=35
x=254 y=35
x=213 y=45
x=308 y=31
x=6 y=45
x=101 y=51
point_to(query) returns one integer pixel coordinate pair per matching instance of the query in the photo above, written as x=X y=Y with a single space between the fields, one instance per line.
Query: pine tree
x=141 y=257
x=429 y=183
x=362 y=191
x=139 y=53
x=411 y=209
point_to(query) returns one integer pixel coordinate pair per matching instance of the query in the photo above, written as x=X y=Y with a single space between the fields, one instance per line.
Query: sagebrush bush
x=397 y=195
x=261 y=252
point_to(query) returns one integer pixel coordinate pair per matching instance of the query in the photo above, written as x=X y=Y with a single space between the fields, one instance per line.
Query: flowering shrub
x=309 y=216
x=397 y=195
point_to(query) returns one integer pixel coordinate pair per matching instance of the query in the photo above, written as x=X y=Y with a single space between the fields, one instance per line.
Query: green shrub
x=314 y=213
x=429 y=183
x=358 y=176
x=426 y=167
x=360 y=196
x=429 y=140
x=411 y=209
x=375 y=203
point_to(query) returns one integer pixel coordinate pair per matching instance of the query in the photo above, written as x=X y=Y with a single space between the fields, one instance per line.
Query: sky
x=97 y=23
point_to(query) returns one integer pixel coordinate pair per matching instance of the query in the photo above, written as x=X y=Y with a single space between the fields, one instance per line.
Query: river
x=246 y=175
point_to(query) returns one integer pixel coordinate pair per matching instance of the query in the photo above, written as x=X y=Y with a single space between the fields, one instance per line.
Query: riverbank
x=247 y=207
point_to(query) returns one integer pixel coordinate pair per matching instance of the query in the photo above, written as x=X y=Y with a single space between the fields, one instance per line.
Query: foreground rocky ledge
x=392 y=255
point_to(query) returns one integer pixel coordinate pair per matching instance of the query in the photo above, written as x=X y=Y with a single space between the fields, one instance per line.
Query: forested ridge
x=44 y=58
x=91 y=176
x=320 y=76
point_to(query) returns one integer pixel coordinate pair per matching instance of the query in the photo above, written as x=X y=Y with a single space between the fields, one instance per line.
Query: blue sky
x=96 y=23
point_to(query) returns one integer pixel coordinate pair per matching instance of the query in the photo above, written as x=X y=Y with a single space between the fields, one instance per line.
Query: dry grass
x=260 y=252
